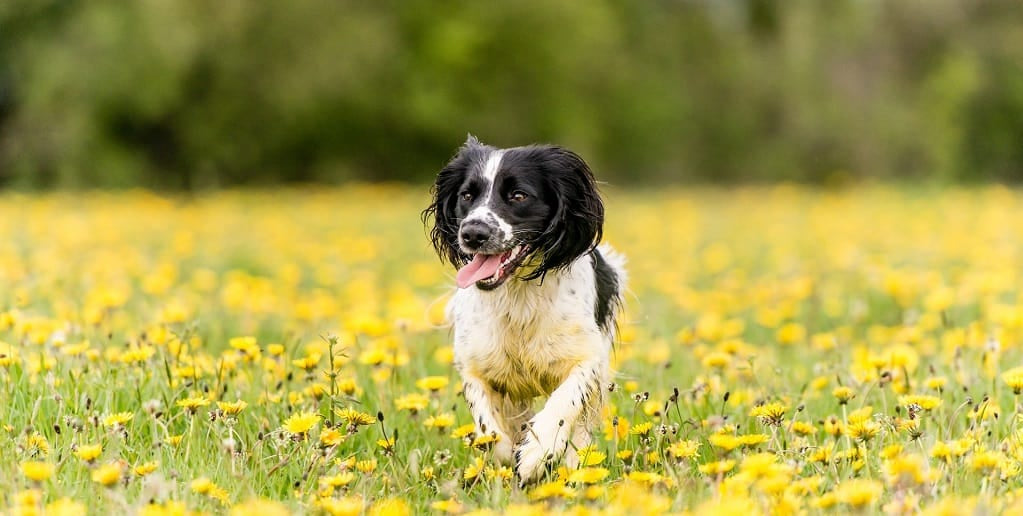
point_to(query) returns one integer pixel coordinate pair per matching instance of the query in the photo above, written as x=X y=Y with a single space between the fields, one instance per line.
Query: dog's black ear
x=440 y=214
x=577 y=224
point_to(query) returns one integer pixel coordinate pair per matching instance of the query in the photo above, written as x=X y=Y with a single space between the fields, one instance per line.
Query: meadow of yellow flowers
x=784 y=351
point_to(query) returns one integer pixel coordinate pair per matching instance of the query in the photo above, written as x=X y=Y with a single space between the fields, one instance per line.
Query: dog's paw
x=542 y=446
x=531 y=460
x=504 y=450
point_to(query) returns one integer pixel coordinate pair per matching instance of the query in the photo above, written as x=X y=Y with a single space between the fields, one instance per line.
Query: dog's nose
x=475 y=235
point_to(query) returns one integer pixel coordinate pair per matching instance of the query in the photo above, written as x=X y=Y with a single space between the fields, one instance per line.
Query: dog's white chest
x=524 y=339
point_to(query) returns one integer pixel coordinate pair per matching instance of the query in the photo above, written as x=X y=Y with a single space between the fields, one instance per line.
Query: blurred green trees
x=194 y=94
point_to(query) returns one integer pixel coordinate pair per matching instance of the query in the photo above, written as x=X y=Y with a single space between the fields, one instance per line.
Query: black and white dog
x=535 y=312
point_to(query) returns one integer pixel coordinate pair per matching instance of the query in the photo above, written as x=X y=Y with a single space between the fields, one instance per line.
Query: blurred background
x=197 y=94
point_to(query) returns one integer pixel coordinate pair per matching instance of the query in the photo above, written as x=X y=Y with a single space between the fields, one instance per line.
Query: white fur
x=483 y=212
x=529 y=339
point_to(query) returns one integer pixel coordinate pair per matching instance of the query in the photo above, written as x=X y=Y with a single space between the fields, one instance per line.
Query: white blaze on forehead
x=483 y=212
x=492 y=165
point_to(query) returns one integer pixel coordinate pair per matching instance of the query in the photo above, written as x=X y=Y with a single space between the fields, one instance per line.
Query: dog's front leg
x=485 y=406
x=549 y=432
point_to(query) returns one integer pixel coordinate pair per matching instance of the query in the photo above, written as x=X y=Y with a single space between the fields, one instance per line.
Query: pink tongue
x=482 y=266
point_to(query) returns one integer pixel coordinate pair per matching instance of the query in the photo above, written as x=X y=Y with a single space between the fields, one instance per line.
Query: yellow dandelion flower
x=232 y=408
x=89 y=452
x=922 y=401
x=588 y=475
x=261 y=507
x=37 y=471
x=474 y=469
x=145 y=468
x=770 y=413
x=1014 y=379
x=859 y=493
x=412 y=402
x=340 y=480
x=551 y=490
x=301 y=423
x=118 y=419
x=366 y=466
x=463 y=431
x=753 y=439
x=589 y=456
x=432 y=383
x=192 y=404
x=108 y=474
x=803 y=428
x=440 y=421
x=717 y=467
x=843 y=394
x=641 y=428
x=485 y=442
x=331 y=437
x=353 y=417
x=727 y=442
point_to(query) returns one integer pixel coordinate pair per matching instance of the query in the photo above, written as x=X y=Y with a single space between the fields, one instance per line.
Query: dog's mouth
x=489 y=271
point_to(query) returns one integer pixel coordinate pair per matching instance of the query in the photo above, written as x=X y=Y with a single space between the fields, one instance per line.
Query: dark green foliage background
x=195 y=94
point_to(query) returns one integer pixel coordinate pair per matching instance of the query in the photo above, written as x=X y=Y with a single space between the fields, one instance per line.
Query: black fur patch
x=608 y=296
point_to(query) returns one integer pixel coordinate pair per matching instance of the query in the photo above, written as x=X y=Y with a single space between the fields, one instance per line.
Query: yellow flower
x=366 y=466
x=641 y=428
x=802 y=428
x=588 y=475
x=37 y=471
x=863 y=430
x=145 y=468
x=118 y=419
x=440 y=421
x=331 y=437
x=340 y=480
x=260 y=507
x=753 y=439
x=1014 y=379
x=589 y=456
x=769 y=413
x=727 y=442
x=300 y=423
x=308 y=362
x=107 y=474
x=192 y=404
x=919 y=400
x=174 y=440
x=450 y=506
x=843 y=394
x=717 y=360
x=859 y=493
x=386 y=444
x=89 y=452
x=412 y=402
x=353 y=417
x=484 y=442
x=463 y=431
x=718 y=467
x=791 y=333
x=232 y=408
x=551 y=490
x=344 y=506
x=202 y=485
x=432 y=383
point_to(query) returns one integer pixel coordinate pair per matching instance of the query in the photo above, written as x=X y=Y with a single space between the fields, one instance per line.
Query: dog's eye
x=518 y=196
x=466 y=196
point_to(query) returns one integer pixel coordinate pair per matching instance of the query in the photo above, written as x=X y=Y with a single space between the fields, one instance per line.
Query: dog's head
x=496 y=210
